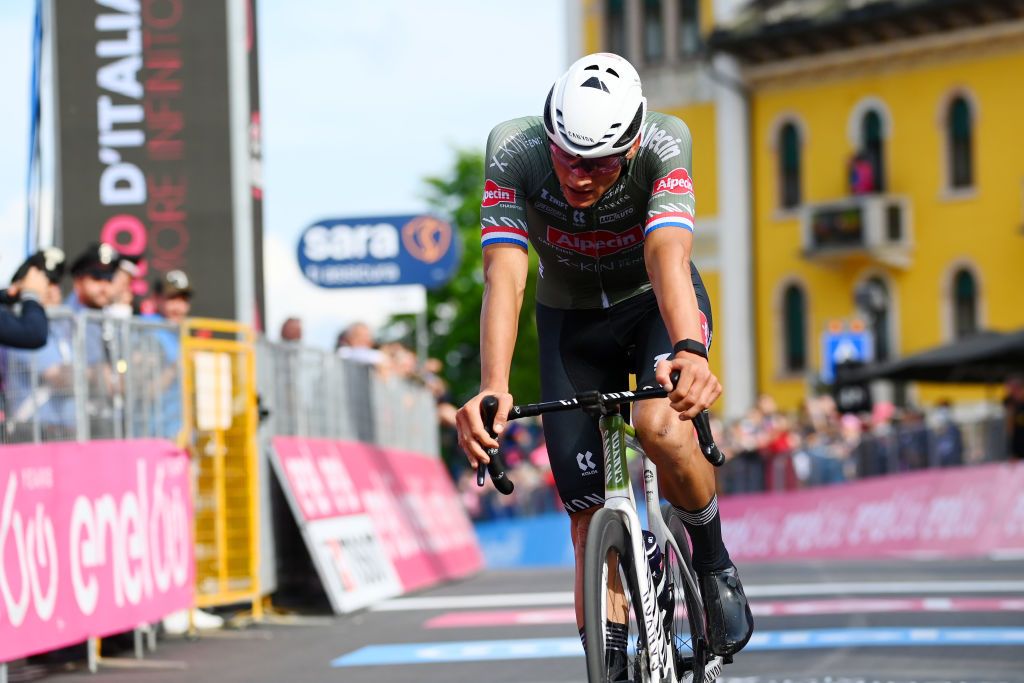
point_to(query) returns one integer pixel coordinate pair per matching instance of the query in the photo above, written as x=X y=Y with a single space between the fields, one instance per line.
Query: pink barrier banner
x=408 y=497
x=957 y=512
x=95 y=539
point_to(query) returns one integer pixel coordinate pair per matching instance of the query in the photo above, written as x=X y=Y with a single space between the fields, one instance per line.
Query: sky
x=360 y=102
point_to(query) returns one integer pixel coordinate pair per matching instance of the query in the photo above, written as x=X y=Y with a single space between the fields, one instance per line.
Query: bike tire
x=608 y=538
x=689 y=631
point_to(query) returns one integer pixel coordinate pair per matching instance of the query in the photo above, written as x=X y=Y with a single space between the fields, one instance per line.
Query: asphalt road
x=877 y=622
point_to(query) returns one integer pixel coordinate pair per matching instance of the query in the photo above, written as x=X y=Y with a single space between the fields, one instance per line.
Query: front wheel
x=611 y=609
x=688 y=630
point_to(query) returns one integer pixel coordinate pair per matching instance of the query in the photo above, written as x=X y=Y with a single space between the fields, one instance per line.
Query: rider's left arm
x=667 y=255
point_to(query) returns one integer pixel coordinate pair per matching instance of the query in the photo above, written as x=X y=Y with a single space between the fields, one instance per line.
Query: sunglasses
x=588 y=167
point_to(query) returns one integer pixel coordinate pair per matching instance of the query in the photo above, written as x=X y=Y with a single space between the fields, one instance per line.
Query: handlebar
x=496 y=466
x=590 y=401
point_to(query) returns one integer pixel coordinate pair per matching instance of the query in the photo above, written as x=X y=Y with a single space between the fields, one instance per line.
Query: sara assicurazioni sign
x=378 y=251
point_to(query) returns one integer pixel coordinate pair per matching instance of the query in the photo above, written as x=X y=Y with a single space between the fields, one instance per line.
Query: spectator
x=173 y=303
x=862 y=174
x=42 y=385
x=121 y=295
x=27 y=328
x=948 y=441
x=356 y=343
x=1014 y=404
x=291 y=330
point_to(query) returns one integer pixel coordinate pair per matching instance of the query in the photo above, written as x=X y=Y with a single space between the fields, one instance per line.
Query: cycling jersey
x=589 y=258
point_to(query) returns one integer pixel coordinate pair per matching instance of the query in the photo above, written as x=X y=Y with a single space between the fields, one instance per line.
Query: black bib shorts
x=586 y=349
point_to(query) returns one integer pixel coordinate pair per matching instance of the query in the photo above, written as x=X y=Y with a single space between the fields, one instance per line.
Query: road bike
x=666 y=642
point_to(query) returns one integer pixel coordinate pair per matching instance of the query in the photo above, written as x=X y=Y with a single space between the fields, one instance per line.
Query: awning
x=982 y=358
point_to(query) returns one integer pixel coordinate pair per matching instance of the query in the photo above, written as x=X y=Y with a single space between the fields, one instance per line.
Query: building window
x=965 y=304
x=794 y=325
x=615 y=26
x=873 y=146
x=654 y=32
x=960 y=135
x=789 y=166
x=689 y=28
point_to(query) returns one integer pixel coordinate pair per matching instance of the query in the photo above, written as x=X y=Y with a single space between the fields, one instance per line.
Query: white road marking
x=449 y=602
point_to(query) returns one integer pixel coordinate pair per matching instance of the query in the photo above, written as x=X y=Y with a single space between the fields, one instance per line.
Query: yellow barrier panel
x=219 y=390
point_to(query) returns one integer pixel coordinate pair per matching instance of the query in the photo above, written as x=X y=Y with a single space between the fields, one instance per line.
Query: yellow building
x=919 y=236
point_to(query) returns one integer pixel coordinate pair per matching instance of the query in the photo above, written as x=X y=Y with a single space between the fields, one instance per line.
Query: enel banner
x=95 y=539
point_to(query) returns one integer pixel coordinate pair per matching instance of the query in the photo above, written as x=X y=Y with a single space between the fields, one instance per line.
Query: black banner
x=143 y=141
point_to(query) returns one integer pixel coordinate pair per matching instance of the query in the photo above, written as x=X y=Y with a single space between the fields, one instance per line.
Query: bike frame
x=616 y=435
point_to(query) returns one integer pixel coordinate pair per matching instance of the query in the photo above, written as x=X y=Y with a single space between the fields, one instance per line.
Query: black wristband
x=690 y=346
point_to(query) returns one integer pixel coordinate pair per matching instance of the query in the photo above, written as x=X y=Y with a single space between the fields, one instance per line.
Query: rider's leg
x=685 y=478
x=688 y=483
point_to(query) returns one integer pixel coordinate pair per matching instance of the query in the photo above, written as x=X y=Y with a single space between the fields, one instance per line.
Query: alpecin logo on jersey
x=676 y=182
x=495 y=194
x=596 y=243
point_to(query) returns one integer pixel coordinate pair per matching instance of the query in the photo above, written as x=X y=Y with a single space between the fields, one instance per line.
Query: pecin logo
x=596 y=243
x=676 y=182
x=495 y=194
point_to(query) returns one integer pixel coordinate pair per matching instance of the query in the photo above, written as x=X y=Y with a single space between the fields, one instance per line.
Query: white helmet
x=596 y=108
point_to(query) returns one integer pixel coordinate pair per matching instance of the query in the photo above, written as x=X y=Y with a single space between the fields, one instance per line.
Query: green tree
x=453 y=311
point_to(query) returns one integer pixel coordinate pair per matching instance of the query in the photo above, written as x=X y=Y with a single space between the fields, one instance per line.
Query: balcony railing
x=875 y=226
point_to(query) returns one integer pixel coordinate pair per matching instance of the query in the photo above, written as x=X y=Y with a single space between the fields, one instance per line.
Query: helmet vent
x=612 y=72
x=592 y=67
x=594 y=82
x=634 y=126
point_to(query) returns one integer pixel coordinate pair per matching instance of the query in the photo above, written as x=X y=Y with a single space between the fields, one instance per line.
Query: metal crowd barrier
x=315 y=393
x=97 y=377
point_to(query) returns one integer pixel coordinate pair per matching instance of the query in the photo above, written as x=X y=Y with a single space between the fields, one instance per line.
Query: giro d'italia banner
x=144 y=139
x=379 y=251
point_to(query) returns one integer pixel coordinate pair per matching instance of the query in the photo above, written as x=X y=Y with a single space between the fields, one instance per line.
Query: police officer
x=27 y=328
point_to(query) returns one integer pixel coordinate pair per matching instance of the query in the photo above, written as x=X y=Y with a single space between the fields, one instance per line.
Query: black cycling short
x=588 y=349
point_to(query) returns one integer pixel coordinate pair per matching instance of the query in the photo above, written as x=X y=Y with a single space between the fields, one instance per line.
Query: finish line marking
x=551 y=648
x=448 y=602
x=567 y=615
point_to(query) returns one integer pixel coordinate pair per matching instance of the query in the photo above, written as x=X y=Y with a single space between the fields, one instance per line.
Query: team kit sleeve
x=503 y=205
x=669 y=155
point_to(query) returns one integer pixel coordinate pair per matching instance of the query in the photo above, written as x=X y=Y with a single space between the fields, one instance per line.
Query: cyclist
x=601 y=189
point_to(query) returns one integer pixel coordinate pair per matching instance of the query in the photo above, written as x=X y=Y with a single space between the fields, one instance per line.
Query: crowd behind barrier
x=770 y=450
x=97 y=377
x=103 y=377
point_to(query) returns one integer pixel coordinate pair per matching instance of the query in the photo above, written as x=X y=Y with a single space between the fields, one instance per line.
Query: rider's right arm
x=511 y=147
x=505 y=269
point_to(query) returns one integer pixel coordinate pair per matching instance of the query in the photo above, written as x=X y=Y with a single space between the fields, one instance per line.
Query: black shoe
x=617 y=665
x=730 y=623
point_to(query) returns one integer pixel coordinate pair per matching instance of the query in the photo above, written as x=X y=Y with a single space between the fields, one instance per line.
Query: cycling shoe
x=730 y=623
